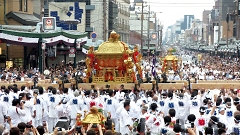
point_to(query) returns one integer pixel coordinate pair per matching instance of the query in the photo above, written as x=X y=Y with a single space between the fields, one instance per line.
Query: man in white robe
x=54 y=100
x=111 y=107
x=125 y=127
x=75 y=104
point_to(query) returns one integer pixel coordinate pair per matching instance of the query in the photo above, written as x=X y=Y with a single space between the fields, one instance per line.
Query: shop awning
x=25 y=19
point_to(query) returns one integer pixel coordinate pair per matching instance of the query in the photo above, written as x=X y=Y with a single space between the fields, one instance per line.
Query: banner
x=18 y=38
x=65 y=39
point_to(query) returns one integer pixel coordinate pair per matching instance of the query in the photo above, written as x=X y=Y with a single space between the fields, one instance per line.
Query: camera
x=59 y=129
x=28 y=126
x=22 y=102
x=44 y=123
x=94 y=126
x=6 y=117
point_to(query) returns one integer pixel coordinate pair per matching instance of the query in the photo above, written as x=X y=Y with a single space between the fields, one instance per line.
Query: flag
x=153 y=65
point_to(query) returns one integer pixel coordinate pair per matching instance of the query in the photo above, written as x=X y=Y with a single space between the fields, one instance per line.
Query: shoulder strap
x=16 y=110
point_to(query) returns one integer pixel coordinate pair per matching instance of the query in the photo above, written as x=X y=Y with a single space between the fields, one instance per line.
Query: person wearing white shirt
x=170 y=103
x=144 y=112
x=14 y=92
x=111 y=107
x=222 y=117
x=201 y=120
x=6 y=98
x=54 y=100
x=183 y=108
x=39 y=110
x=125 y=127
x=194 y=104
x=3 y=112
x=75 y=104
x=44 y=97
x=164 y=129
x=29 y=103
x=201 y=75
x=236 y=126
x=152 y=122
x=63 y=110
x=46 y=72
x=229 y=116
x=16 y=111
x=65 y=94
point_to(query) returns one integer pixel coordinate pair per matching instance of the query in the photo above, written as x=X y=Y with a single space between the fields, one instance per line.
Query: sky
x=173 y=10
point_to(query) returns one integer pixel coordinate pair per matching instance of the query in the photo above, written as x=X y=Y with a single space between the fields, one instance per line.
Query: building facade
x=186 y=24
x=96 y=16
x=17 y=12
x=205 y=16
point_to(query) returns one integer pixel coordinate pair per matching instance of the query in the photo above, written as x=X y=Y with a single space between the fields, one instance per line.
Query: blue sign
x=94 y=35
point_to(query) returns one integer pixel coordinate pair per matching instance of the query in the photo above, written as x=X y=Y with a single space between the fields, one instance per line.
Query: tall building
x=118 y=16
x=187 y=22
x=205 y=16
x=225 y=7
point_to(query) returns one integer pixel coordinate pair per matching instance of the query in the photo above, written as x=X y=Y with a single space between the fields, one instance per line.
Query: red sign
x=72 y=51
x=49 y=22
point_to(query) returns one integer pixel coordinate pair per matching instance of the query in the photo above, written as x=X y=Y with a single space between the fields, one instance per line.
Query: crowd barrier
x=213 y=84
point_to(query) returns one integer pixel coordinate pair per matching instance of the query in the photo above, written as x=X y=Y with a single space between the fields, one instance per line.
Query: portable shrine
x=114 y=61
x=169 y=62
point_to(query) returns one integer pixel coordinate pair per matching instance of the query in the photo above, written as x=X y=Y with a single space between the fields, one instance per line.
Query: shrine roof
x=109 y=47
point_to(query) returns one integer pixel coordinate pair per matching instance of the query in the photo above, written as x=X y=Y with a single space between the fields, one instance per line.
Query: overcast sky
x=173 y=10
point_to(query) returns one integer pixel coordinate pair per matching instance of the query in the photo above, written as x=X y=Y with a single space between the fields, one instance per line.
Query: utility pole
x=237 y=25
x=161 y=37
x=208 y=30
x=105 y=20
x=159 y=32
x=142 y=29
x=228 y=18
x=148 y=37
x=219 y=19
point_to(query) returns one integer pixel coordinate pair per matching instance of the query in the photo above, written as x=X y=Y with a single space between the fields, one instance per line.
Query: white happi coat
x=124 y=121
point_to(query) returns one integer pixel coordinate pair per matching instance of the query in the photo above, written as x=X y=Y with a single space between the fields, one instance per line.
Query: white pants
x=116 y=125
x=45 y=118
x=51 y=124
x=73 y=122
x=38 y=122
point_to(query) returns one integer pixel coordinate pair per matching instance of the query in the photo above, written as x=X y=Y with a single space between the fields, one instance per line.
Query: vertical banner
x=43 y=46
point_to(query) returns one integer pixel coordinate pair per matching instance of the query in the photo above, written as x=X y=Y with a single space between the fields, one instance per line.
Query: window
x=20 y=5
x=25 y=5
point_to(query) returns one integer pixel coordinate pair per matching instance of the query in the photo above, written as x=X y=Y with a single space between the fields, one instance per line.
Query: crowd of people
x=35 y=110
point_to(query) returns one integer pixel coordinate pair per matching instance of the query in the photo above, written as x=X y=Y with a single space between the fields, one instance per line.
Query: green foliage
x=100 y=110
